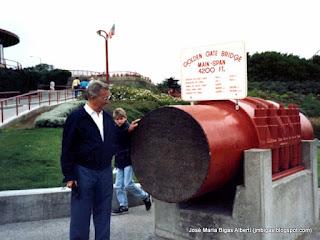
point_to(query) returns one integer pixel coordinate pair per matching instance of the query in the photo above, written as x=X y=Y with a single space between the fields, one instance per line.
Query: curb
x=43 y=204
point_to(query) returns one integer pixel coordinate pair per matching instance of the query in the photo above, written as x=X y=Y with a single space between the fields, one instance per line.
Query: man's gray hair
x=94 y=88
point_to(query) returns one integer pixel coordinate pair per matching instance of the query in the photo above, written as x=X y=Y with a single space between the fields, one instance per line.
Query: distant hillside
x=133 y=81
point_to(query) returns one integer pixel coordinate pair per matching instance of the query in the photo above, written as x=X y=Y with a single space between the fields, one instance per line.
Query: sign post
x=214 y=72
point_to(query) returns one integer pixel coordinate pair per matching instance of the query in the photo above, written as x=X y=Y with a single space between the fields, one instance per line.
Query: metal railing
x=57 y=87
x=8 y=94
x=85 y=73
x=7 y=63
x=14 y=106
x=88 y=73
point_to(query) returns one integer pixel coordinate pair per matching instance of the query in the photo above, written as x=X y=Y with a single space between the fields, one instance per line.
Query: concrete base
x=42 y=204
x=261 y=209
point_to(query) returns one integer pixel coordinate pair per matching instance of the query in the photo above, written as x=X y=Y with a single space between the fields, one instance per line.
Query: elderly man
x=87 y=148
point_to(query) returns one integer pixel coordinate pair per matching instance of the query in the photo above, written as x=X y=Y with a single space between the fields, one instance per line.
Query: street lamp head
x=106 y=35
x=102 y=33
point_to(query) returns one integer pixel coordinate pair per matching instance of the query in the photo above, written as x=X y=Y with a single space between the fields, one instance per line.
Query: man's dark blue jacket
x=82 y=143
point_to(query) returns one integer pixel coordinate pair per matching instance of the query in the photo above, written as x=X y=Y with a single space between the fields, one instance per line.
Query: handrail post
x=29 y=102
x=17 y=111
x=57 y=93
x=49 y=96
x=2 y=118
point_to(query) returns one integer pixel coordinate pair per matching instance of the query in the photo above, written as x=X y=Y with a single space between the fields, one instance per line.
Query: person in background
x=91 y=79
x=88 y=145
x=84 y=84
x=123 y=164
x=75 y=86
x=52 y=85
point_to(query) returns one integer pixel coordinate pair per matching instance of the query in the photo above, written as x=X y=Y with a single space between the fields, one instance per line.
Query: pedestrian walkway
x=138 y=224
x=315 y=235
x=14 y=107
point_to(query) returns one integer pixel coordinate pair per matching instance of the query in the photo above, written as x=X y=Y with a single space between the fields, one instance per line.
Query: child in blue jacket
x=123 y=164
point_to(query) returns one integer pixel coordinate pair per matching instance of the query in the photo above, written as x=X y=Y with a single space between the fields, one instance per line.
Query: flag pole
x=106 y=35
x=107 y=62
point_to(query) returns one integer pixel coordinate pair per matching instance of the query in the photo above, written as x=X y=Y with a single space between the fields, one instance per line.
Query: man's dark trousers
x=94 y=189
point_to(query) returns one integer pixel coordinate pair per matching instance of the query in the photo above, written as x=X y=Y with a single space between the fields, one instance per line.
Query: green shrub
x=135 y=101
x=57 y=116
x=308 y=104
x=134 y=109
x=315 y=121
x=135 y=94
x=18 y=80
x=59 y=76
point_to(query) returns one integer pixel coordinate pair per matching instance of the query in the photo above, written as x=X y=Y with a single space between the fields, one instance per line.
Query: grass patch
x=30 y=158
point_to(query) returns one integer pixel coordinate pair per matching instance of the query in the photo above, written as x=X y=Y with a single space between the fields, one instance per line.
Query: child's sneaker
x=120 y=210
x=147 y=202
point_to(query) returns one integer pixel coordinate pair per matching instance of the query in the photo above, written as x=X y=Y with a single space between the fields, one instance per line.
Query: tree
x=47 y=74
x=167 y=84
x=41 y=68
x=316 y=59
x=18 y=80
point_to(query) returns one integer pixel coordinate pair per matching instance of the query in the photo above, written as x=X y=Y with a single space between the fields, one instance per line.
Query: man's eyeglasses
x=107 y=98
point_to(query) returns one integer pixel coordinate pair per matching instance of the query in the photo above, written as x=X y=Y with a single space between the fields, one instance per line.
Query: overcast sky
x=150 y=34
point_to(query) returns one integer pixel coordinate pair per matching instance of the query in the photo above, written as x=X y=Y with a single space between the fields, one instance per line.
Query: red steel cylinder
x=181 y=152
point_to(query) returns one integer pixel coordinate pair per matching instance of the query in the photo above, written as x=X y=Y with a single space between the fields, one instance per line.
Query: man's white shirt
x=97 y=118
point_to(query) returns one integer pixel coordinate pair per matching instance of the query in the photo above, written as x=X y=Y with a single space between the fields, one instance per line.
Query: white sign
x=214 y=72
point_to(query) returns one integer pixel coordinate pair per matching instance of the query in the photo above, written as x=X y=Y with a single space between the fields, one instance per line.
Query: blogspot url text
x=251 y=230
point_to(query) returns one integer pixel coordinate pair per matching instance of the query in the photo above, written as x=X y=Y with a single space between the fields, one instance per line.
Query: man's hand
x=133 y=125
x=71 y=184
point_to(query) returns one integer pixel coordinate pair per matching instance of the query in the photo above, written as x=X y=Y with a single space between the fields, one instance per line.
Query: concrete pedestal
x=261 y=209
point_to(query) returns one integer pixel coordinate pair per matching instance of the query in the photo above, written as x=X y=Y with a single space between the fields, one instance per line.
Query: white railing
x=7 y=63
x=12 y=107
x=88 y=73
x=85 y=73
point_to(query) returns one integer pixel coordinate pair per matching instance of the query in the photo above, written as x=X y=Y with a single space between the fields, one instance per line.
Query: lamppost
x=38 y=58
x=106 y=35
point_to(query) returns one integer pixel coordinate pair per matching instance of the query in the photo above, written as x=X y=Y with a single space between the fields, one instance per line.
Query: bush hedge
x=18 y=80
x=315 y=121
x=57 y=116
x=28 y=79
x=309 y=104
x=135 y=101
x=137 y=94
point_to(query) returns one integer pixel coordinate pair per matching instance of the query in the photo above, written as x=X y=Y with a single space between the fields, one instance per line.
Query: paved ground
x=137 y=225
x=315 y=235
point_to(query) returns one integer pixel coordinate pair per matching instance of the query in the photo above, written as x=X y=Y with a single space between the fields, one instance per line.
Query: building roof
x=8 y=39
